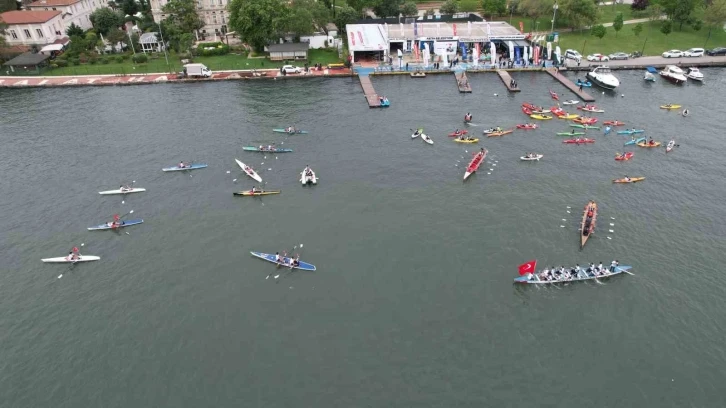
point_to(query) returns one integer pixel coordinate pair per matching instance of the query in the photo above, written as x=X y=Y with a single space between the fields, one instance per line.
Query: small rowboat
x=624 y=157
x=540 y=117
x=459 y=133
x=568 y=116
x=614 y=123
x=502 y=133
x=66 y=259
x=123 y=191
x=466 y=140
x=584 y=126
x=571 y=102
x=670 y=107
x=645 y=144
x=121 y=224
x=632 y=180
x=249 y=193
x=286 y=261
x=307 y=180
x=575 y=276
x=571 y=133
x=579 y=141
x=189 y=167
x=554 y=95
x=536 y=157
x=266 y=150
x=294 y=132
x=528 y=126
x=630 y=132
x=249 y=171
x=583 y=84
x=635 y=141
x=426 y=139
x=475 y=162
x=587 y=226
x=670 y=146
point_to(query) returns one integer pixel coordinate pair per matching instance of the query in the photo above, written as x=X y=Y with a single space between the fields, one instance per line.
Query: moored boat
x=589 y=221
x=650 y=74
x=475 y=162
x=603 y=77
x=673 y=74
x=694 y=74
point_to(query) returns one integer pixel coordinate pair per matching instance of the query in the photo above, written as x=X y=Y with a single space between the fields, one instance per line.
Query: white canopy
x=52 y=47
x=366 y=37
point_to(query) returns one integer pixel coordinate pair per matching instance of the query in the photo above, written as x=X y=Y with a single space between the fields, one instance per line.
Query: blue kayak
x=636 y=141
x=189 y=167
x=630 y=132
x=579 y=276
x=584 y=84
x=123 y=224
x=304 y=266
x=385 y=104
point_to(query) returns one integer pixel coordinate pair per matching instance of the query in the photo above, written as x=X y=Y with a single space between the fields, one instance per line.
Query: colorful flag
x=521 y=27
x=352 y=38
x=527 y=267
x=454 y=29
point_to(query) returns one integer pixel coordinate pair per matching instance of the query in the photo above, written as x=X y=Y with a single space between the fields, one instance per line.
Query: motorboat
x=650 y=74
x=603 y=77
x=694 y=74
x=673 y=74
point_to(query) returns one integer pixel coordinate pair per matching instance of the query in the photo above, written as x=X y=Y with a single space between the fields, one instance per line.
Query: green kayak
x=584 y=126
x=570 y=133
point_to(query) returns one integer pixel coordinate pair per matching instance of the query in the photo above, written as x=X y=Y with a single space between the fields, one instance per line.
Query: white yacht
x=602 y=77
x=694 y=74
x=673 y=74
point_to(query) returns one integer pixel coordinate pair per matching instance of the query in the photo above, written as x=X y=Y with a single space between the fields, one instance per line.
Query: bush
x=75 y=61
x=53 y=65
x=61 y=62
x=83 y=58
x=120 y=58
x=104 y=61
x=215 y=48
x=93 y=60
x=125 y=57
x=140 y=58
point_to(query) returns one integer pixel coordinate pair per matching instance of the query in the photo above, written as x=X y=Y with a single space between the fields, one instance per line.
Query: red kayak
x=554 y=95
x=527 y=126
x=614 y=123
x=579 y=141
x=475 y=162
x=526 y=111
x=459 y=133
x=557 y=111
x=585 y=121
x=624 y=157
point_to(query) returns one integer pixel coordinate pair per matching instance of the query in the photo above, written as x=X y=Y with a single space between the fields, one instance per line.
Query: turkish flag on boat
x=527 y=267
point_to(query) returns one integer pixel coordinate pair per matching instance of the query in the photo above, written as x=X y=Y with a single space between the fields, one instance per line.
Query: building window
x=14 y=34
x=219 y=2
x=27 y=33
x=214 y=19
x=223 y=20
x=199 y=4
x=46 y=9
x=53 y=8
x=40 y=32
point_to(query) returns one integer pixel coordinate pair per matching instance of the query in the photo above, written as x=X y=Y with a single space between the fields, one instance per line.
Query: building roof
x=465 y=31
x=288 y=47
x=52 y=3
x=444 y=18
x=27 y=16
x=148 y=38
x=28 y=58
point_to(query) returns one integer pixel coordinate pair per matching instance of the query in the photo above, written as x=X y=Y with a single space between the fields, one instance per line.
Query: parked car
x=717 y=51
x=618 y=56
x=573 y=55
x=673 y=54
x=291 y=69
x=597 y=57
x=694 y=52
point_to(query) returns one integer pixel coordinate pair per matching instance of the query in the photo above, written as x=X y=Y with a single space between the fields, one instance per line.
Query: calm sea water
x=413 y=302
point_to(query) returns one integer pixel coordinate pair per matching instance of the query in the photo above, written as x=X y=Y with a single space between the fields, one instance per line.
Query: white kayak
x=305 y=180
x=571 y=102
x=66 y=259
x=122 y=191
x=536 y=157
x=670 y=146
x=249 y=171
x=426 y=139
x=415 y=135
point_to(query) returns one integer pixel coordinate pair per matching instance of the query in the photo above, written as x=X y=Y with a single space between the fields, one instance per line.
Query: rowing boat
x=502 y=133
x=528 y=126
x=580 y=275
x=669 y=107
x=578 y=141
x=645 y=144
x=256 y=193
x=535 y=158
x=670 y=146
x=303 y=266
x=579 y=126
x=122 y=191
x=632 y=180
x=294 y=132
x=189 y=167
x=624 y=157
x=475 y=162
x=122 y=224
x=459 y=133
x=249 y=171
x=630 y=131
x=66 y=259
x=540 y=117
x=587 y=226
x=306 y=180
x=634 y=141
x=614 y=123
x=585 y=121
x=466 y=140
x=265 y=150
x=568 y=116
x=554 y=95
x=417 y=133
x=570 y=133
x=571 y=102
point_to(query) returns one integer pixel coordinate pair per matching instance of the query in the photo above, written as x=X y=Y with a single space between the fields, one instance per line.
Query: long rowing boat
x=575 y=276
x=475 y=162
x=110 y=225
x=303 y=266
x=589 y=220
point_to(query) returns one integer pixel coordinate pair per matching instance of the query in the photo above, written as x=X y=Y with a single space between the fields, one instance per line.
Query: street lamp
x=554 y=15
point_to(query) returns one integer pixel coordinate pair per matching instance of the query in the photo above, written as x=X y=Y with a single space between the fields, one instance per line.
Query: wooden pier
x=369 y=91
x=462 y=82
x=504 y=75
x=570 y=85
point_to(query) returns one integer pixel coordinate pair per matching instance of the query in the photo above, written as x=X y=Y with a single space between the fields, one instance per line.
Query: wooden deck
x=504 y=75
x=369 y=92
x=462 y=82
x=570 y=85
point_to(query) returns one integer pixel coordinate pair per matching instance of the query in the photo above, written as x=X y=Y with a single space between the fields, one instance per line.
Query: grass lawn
x=626 y=41
x=608 y=13
x=215 y=63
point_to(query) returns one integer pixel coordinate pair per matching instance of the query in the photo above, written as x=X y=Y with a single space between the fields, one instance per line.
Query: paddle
x=279 y=264
x=73 y=262
x=292 y=267
x=132 y=186
x=632 y=274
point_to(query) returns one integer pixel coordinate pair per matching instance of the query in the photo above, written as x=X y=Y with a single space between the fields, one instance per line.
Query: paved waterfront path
x=656 y=61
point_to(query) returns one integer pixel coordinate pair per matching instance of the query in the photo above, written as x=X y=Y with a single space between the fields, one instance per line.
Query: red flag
x=521 y=27
x=527 y=267
x=454 y=29
x=352 y=38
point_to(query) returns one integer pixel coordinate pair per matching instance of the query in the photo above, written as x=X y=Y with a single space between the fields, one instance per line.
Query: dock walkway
x=369 y=91
x=504 y=75
x=570 y=85
x=462 y=82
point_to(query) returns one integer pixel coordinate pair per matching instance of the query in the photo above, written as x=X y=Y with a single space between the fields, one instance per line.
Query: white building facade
x=33 y=27
x=213 y=13
x=76 y=12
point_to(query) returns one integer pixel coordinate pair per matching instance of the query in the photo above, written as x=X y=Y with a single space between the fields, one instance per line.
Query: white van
x=694 y=52
x=573 y=55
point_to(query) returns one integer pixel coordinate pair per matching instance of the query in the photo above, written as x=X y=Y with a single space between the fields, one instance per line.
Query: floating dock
x=462 y=82
x=504 y=75
x=369 y=91
x=570 y=85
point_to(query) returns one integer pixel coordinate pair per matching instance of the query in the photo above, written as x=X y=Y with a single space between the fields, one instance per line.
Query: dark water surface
x=413 y=303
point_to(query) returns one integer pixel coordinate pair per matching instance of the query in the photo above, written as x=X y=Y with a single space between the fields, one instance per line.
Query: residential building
x=33 y=27
x=76 y=12
x=212 y=12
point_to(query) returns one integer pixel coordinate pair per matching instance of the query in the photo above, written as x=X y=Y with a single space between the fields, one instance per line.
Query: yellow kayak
x=466 y=140
x=632 y=180
x=670 y=106
x=256 y=193
x=540 y=117
x=656 y=144
x=568 y=116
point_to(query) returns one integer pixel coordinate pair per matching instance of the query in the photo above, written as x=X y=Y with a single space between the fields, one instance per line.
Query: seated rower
x=125 y=188
x=599 y=267
x=182 y=165
x=254 y=190
x=72 y=256
x=627 y=179
x=278 y=259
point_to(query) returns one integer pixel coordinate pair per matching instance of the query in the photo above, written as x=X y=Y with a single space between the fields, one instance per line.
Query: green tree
x=8 y=5
x=345 y=15
x=409 y=9
x=618 y=23
x=579 y=12
x=73 y=29
x=129 y=7
x=113 y=5
x=359 y=5
x=494 y=7
x=535 y=9
x=715 y=15
x=186 y=41
x=105 y=19
x=468 y=5
x=449 y=7
x=679 y=11
x=91 y=40
x=183 y=13
x=637 y=29
x=115 y=36
x=666 y=27
x=297 y=20
x=3 y=26
x=256 y=21
x=387 y=8
x=318 y=14
x=598 y=31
